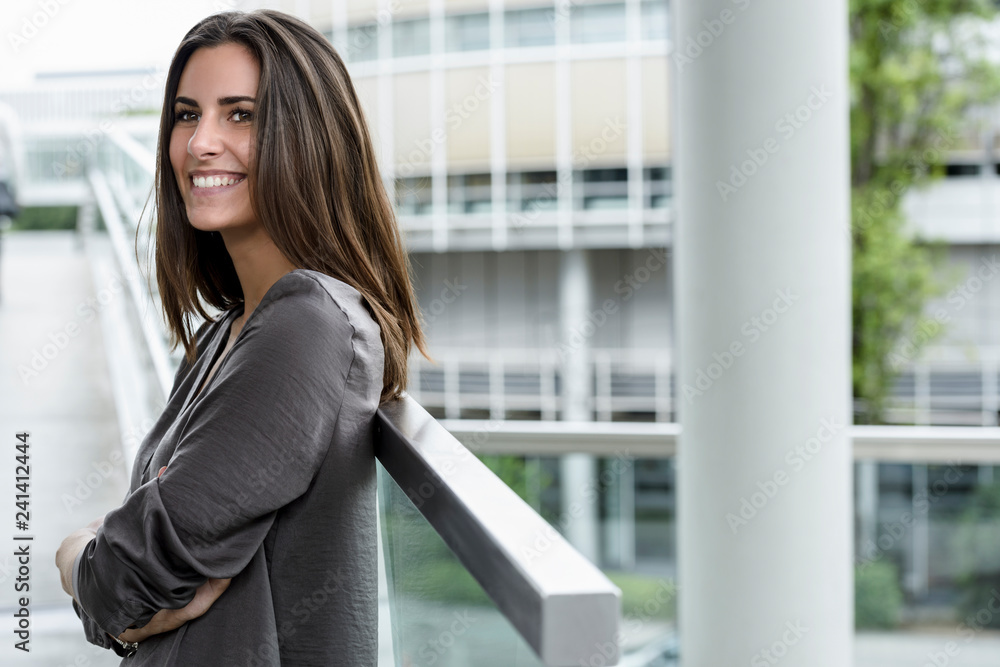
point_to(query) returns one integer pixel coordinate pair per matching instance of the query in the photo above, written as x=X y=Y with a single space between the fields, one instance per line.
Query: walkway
x=54 y=385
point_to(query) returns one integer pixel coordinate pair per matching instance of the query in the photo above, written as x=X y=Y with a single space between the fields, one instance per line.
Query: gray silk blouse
x=270 y=480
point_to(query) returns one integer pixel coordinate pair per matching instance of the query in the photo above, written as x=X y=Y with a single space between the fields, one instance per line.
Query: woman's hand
x=70 y=547
x=171 y=619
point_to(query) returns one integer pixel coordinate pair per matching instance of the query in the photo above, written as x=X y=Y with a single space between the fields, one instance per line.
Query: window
x=470 y=193
x=362 y=43
x=654 y=20
x=961 y=169
x=467 y=32
x=603 y=188
x=532 y=191
x=529 y=27
x=413 y=196
x=597 y=23
x=657 y=187
x=411 y=38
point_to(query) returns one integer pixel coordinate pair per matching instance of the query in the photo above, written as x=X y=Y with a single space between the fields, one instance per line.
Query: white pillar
x=866 y=503
x=578 y=472
x=763 y=293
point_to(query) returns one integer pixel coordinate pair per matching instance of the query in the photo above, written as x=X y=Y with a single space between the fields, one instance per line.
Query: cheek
x=177 y=152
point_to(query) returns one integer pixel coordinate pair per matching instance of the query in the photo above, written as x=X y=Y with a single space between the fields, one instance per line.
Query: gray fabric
x=270 y=480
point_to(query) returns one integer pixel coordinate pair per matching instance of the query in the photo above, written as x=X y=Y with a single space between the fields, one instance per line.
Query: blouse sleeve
x=91 y=631
x=255 y=439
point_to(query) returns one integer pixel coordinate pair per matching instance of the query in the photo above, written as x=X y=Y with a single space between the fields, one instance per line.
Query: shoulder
x=311 y=309
x=311 y=297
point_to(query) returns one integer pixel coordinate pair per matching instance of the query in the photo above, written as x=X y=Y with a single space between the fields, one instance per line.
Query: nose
x=206 y=140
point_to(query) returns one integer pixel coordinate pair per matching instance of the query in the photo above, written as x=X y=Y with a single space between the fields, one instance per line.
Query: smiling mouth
x=208 y=182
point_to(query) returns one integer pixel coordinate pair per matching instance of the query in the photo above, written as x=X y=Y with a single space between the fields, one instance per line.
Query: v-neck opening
x=220 y=345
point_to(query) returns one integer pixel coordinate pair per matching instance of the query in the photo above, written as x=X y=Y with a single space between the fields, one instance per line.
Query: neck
x=258 y=262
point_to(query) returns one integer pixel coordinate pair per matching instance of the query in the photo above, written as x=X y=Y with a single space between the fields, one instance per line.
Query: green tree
x=917 y=68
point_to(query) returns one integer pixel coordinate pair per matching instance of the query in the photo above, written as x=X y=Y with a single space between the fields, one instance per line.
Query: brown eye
x=242 y=115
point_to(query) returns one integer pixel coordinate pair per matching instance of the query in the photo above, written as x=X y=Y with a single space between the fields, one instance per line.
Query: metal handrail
x=903 y=444
x=152 y=330
x=560 y=603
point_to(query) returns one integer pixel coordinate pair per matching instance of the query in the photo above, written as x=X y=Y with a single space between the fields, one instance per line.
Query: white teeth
x=213 y=181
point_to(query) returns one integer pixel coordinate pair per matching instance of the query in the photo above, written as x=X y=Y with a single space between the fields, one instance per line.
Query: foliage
x=645 y=596
x=515 y=473
x=917 y=71
x=45 y=218
x=878 y=597
x=978 y=545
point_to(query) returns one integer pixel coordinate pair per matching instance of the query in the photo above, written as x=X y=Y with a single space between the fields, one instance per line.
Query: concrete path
x=54 y=385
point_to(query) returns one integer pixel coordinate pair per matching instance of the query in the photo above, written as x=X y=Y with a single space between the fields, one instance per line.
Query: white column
x=763 y=301
x=867 y=488
x=578 y=472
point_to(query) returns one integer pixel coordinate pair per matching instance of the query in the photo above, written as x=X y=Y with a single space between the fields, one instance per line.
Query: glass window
x=603 y=188
x=597 y=23
x=654 y=19
x=657 y=187
x=469 y=193
x=467 y=32
x=413 y=195
x=605 y=175
x=532 y=191
x=362 y=43
x=961 y=169
x=530 y=27
x=411 y=38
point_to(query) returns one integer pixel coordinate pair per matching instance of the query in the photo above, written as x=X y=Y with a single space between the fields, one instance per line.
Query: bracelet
x=130 y=647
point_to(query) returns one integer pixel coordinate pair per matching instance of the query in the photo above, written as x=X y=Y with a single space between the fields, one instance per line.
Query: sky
x=87 y=35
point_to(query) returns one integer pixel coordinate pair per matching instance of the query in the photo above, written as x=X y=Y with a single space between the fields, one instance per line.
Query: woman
x=248 y=535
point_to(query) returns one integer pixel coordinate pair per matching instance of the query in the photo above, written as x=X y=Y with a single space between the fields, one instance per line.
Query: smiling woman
x=248 y=533
x=212 y=136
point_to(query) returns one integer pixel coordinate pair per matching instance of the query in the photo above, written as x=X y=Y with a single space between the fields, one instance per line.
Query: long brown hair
x=314 y=185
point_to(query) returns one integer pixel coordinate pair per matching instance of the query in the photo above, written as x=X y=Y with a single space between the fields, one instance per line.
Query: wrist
x=128 y=648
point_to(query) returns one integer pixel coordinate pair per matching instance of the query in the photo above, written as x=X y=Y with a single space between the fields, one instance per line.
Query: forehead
x=228 y=69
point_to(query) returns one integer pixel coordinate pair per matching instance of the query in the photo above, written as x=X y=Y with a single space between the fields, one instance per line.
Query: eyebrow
x=223 y=101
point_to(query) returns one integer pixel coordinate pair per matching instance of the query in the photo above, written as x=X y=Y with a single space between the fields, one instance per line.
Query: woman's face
x=211 y=140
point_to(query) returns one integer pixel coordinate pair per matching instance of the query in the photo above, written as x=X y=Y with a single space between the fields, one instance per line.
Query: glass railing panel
x=440 y=615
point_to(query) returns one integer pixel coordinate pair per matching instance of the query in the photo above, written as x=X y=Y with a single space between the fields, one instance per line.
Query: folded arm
x=253 y=442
